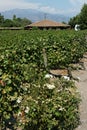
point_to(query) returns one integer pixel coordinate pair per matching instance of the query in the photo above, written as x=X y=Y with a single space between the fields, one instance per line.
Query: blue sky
x=64 y=7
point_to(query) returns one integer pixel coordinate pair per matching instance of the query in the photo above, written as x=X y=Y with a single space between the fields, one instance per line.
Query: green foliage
x=8 y=23
x=73 y=21
x=50 y=107
x=15 y=22
x=80 y=19
x=1 y=19
x=83 y=17
x=27 y=99
x=62 y=48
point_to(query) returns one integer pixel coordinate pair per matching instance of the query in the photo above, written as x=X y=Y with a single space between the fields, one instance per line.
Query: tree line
x=14 y=22
x=80 y=18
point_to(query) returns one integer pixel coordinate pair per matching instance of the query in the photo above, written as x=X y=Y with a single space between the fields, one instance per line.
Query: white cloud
x=73 y=2
x=11 y=4
x=73 y=10
x=78 y=2
x=77 y=5
x=22 y=4
x=49 y=9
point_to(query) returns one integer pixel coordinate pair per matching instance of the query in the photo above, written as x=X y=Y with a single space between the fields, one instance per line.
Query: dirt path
x=82 y=88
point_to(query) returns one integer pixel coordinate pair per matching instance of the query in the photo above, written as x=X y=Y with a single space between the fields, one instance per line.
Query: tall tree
x=83 y=17
x=73 y=21
x=25 y=21
x=14 y=22
x=20 y=21
x=80 y=19
x=1 y=19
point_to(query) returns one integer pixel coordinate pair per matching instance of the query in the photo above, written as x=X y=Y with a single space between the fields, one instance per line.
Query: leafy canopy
x=80 y=19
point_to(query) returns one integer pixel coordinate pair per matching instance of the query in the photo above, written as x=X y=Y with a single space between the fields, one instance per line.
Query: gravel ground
x=82 y=88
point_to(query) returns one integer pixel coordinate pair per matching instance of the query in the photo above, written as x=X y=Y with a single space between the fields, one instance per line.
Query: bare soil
x=82 y=88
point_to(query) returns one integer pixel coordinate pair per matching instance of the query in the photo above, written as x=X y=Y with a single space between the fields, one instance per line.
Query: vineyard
x=28 y=99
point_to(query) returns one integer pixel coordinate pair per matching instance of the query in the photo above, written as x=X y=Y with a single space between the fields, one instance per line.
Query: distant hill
x=34 y=15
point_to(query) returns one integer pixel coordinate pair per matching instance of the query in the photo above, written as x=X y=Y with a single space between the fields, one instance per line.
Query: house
x=47 y=24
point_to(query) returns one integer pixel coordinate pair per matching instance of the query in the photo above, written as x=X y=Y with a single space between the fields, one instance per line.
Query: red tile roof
x=48 y=23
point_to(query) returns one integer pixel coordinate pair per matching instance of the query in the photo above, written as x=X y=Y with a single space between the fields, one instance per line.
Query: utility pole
x=45 y=16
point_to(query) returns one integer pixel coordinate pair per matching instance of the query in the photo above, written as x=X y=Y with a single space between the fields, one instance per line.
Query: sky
x=64 y=7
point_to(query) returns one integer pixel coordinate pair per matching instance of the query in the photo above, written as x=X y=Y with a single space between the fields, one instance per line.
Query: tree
x=83 y=17
x=14 y=22
x=20 y=21
x=14 y=17
x=1 y=19
x=73 y=21
x=80 y=19
x=26 y=21
x=8 y=23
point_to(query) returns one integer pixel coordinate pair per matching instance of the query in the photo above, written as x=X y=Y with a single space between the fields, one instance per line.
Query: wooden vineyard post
x=45 y=58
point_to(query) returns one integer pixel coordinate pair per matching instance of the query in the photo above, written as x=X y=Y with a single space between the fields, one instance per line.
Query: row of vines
x=29 y=100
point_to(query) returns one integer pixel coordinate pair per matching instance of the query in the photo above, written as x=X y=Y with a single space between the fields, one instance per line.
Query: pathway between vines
x=82 y=88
